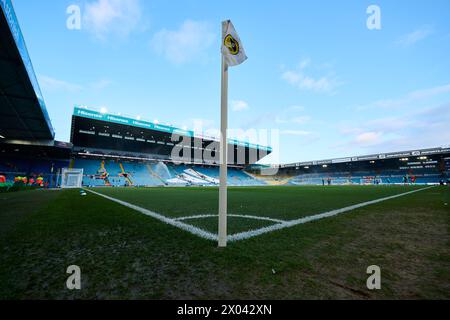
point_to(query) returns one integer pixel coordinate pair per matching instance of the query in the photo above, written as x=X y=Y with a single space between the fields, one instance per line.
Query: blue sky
x=316 y=74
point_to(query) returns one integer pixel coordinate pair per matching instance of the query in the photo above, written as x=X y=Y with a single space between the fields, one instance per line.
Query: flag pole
x=223 y=190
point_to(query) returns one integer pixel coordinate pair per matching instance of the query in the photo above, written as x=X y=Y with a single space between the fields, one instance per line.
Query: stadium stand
x=427 y=166
x=13 y=167
x=27 y=146
x=114 y=150
x=99 y=173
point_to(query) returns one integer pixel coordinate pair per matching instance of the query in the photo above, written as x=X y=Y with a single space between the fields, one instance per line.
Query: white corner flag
x=232 y=48
x=233 y=54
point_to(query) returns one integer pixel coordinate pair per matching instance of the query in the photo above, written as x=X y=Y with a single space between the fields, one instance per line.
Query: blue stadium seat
x=158 y=174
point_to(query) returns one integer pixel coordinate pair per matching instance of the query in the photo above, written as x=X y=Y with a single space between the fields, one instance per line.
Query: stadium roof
x=23 y=115
x=374 y=157
x=84 y=112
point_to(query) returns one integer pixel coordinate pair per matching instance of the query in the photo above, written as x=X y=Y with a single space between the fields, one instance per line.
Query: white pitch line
x=204 y=216
x=187 y=227
x=289 y=224
x=253 y=233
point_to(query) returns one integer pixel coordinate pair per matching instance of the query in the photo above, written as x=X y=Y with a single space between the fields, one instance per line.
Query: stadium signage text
x=372 y=157
x=89 y=114
x=342 y=160
x=115 y=119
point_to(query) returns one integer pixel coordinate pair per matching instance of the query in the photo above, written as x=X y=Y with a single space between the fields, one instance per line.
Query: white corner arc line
x=253 y=233
x=205 y=216
x=186 y=227
x=289 y=224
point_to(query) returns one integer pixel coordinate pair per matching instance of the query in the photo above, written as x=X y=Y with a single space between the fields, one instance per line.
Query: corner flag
x=232 y=48
x=233 y=54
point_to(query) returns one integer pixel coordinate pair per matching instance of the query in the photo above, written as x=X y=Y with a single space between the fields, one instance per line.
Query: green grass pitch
x=124 y=254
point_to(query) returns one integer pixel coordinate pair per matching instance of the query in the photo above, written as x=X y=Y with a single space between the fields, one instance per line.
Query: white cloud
x=368 y=138
x=239 y=105
x=386 y=125
x=420 y=129
x=187 y=43
x=301 y=120
x=290 y=116
x=296 y=108
x=295 y=132
x=408 y=99
x=257 y=120
x=280 y=120
x=416 y=36
x=431 y=92
x=100 y=84
x=52 y=84
x=304 y=82
x=300 y=79
x=390 y=124
x=104 y=17
x=295 y=120
x=305 y=63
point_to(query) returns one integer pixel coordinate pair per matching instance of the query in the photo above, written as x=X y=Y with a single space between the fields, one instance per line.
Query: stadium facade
x=23 y=114
x=421 y=166
x=113 y=135
x=115 y=150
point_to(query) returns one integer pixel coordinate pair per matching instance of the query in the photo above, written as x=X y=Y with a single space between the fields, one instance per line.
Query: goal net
x=71 y=178
x=341 y=181
x=370 y=180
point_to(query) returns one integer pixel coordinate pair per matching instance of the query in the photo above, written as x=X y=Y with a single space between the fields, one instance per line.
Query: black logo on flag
x=231 y=44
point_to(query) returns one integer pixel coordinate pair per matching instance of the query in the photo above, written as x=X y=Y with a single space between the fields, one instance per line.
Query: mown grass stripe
x=289 y=224
x=281 y=224
x=186 y=227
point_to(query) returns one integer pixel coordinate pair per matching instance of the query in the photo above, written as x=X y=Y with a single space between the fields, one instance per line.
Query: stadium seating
x=111 y=173
x=143 y=174
x=31 y=168
x=117 y=173
x=240 y=178
x=365 y=177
